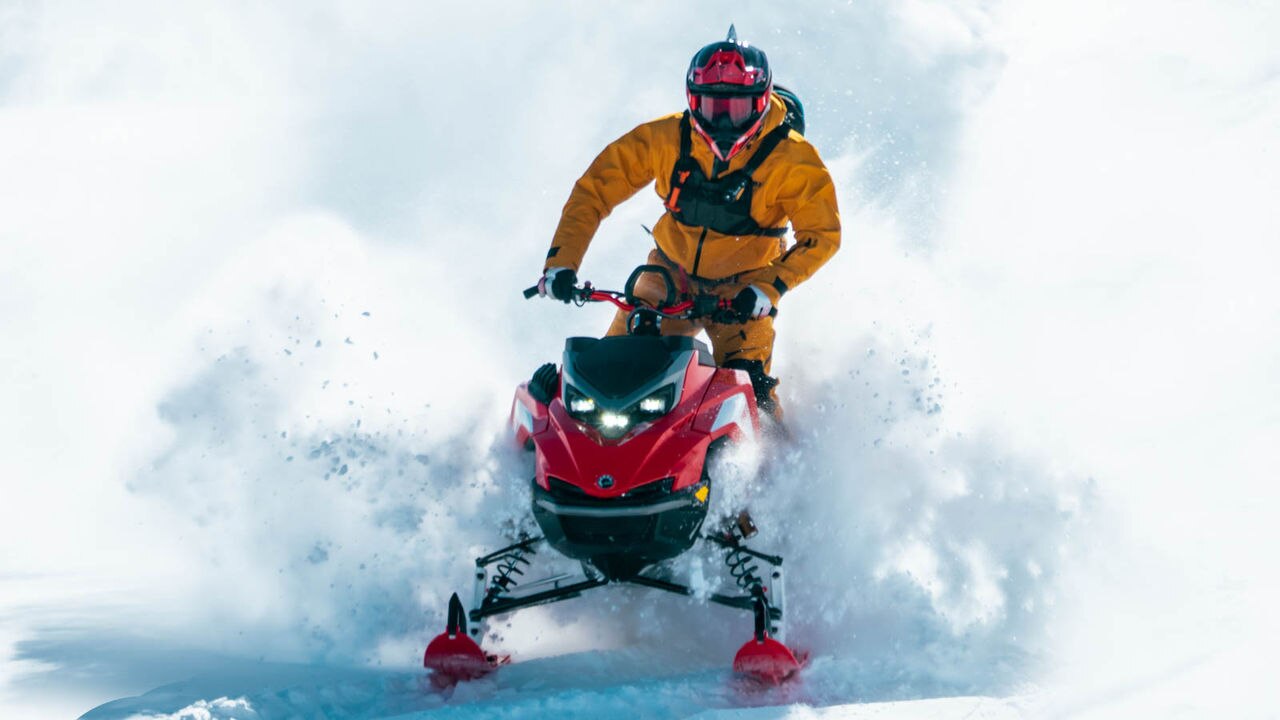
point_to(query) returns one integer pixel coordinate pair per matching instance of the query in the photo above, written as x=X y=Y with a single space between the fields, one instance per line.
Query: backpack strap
x=680 y=171
x=767 y=145
x=686 y=136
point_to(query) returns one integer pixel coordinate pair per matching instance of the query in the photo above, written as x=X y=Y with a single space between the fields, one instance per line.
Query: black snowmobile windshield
x=620 y=365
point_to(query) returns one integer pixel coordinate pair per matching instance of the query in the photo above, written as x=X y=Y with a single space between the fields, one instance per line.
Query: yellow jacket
x=793 y=185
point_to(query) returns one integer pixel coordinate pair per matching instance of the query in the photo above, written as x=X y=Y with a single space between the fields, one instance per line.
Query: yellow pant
x=746 y=346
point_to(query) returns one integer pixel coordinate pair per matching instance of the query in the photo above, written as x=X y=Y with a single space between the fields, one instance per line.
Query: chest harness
x=722 y=204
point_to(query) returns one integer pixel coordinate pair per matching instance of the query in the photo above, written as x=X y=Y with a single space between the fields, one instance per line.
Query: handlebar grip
x=530 y=292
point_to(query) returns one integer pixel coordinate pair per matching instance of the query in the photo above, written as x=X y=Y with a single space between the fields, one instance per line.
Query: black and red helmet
x=728 y=86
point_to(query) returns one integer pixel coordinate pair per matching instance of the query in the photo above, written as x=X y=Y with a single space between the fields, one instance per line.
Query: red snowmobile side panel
x=528 y=416
x=729 y=406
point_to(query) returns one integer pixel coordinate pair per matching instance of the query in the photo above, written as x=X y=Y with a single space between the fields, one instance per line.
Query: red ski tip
x=456 y=658
x=766 y=661
x=452 y=656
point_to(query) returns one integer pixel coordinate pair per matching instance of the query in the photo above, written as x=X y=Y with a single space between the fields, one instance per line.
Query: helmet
x=728 y=86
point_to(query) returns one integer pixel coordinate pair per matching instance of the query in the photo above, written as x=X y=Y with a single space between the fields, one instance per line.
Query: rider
x=731 y=171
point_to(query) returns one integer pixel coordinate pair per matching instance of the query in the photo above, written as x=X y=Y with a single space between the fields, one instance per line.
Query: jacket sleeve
x=621 y=170
x=808 y=197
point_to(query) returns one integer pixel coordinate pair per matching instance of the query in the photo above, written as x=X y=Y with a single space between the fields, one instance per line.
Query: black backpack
x=795 y=109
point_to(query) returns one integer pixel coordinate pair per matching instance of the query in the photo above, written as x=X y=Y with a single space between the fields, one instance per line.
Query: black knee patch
x=760 y=382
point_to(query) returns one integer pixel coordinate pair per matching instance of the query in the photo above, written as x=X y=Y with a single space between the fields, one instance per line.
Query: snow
x=260 y=300
x=586 y=685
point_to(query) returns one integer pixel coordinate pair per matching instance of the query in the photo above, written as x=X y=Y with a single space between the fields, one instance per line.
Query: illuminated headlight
x=657 y=404
x=614 y=421
x=579 y=405
x=653 y=404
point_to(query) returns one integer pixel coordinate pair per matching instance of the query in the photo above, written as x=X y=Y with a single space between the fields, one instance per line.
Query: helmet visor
x=725 y=111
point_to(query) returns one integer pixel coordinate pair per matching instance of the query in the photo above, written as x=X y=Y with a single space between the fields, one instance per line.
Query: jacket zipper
x=698 y=257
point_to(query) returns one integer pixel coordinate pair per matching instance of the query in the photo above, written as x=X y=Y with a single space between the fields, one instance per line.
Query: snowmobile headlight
x=657 y=404
x=612 y=424
x=614 y=421
x=583 y=408
x=579 y=405
x=653 y=404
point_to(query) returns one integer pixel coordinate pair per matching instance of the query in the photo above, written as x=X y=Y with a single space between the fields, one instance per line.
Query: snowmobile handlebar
x=704 y=305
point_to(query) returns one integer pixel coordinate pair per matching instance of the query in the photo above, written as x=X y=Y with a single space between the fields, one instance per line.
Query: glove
x=558 y=282
x=751 y=303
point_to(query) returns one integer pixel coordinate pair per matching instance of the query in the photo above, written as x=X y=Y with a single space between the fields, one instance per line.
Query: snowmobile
x=623 y=434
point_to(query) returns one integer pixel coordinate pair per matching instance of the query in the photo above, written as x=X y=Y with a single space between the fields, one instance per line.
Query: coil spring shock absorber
x=742 y=567
x=506 y=569
x=745 y=567
x=741 y=563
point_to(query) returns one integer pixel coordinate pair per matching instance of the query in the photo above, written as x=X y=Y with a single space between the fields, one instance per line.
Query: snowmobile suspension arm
x=505 y=605
x=526 y=545
x=495 y=605
x=742 y=602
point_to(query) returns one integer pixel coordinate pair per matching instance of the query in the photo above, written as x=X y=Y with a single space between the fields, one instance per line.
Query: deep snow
x=262 y=324
x=582 y=687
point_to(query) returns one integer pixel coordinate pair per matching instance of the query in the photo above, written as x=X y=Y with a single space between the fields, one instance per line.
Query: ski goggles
x=735 y=111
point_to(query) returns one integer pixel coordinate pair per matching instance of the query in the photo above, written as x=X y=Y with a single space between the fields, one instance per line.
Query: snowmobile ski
x=453 y=656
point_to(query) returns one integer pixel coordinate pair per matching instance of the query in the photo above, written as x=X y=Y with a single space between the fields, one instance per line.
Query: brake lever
x=582 y=294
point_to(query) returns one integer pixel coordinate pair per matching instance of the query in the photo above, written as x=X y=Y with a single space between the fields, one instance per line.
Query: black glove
x=558 y=282
x=751 y=304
